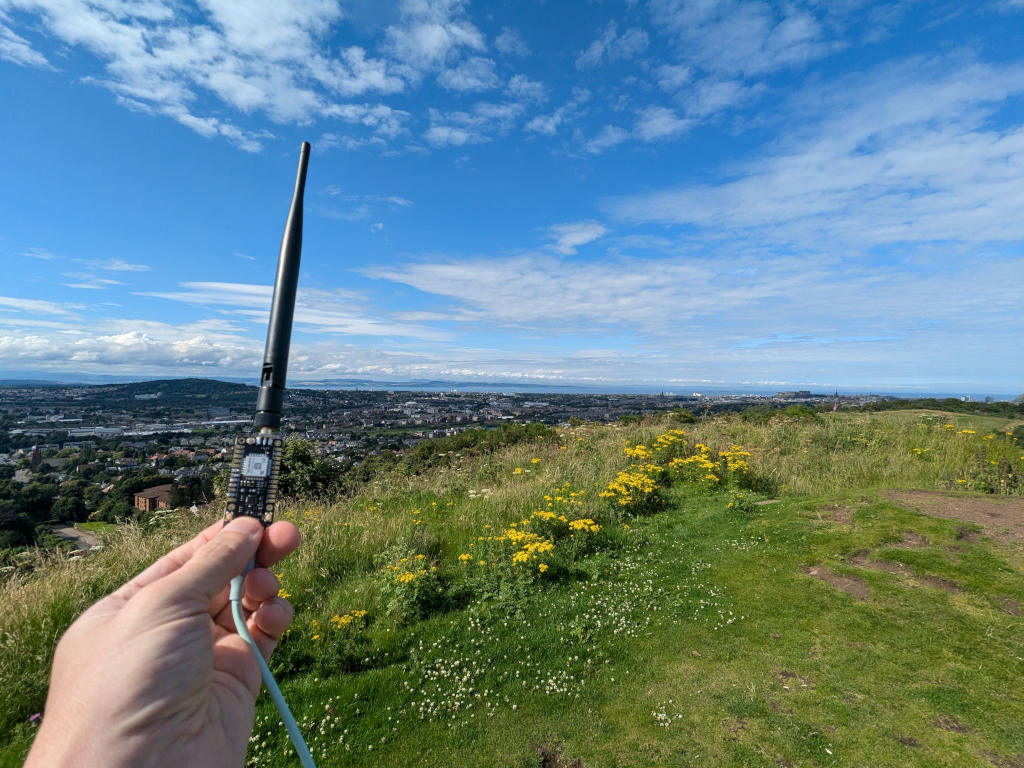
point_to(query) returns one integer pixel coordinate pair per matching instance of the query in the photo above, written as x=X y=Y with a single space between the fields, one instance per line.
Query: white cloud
x=90 y=281
x=522 y=88
x=711 y=95
x=254 y=56
x=790 y=316
x=549 y=124
x=117 y=265
x=657 y=123
x=432 y=32
x=608 y=137
x=611 y=46
x=474 y=127
x=39 y=253
x=741 y=37
x=18 y=50
x=35 y=306
x=906 y=155
x=672 y=77
x=568 y=237
x=384 y=120
x=473 y=74
x=364 y=206
x=319 y=311
x=510 y=43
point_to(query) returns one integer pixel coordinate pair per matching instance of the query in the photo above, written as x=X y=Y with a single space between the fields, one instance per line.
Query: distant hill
x=1019 y=400
x=176 y=392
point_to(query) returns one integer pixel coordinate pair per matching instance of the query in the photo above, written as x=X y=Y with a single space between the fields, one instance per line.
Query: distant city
x=90 y=454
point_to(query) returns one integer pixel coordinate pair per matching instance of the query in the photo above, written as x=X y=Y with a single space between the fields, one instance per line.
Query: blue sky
x=684 y=193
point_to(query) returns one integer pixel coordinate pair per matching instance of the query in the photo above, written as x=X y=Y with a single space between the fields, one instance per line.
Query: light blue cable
x=237 y=589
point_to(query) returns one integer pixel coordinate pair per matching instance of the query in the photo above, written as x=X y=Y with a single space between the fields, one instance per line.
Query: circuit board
x=252 y=486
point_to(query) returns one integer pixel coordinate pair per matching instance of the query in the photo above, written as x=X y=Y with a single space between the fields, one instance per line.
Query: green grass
x=692 y=638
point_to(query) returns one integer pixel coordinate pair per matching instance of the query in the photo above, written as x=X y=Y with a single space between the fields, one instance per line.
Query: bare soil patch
x=551 y=757
x=908 y=741
x=940 y=583
x=1004 y=761
x=911 y=540
x=734 y=725
x=848 y=584
x=861 y=561
x=1001 y=517
x=839 y=514
x=1011 y=606
x=949 y=723
x=793 y=678
x=966 y=534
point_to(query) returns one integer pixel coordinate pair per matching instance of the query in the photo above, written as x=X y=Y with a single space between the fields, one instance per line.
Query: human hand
x=155 y=674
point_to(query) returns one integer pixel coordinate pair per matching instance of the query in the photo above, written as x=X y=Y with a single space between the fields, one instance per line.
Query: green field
x=685 y=624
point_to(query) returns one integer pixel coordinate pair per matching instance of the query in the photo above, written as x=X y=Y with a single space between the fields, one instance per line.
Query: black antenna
x=282 y=310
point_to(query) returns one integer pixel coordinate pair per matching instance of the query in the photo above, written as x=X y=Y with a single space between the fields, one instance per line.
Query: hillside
x=834 y=590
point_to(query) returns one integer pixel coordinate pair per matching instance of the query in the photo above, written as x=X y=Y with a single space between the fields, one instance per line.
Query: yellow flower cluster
x=638 y=452
x=345 y=619
x=700 y=465
x=564 y=498
x=530 y=546
x=584 y=524
x=630 y=487
x=735 y=459
x=672 y=438
x=407 y=571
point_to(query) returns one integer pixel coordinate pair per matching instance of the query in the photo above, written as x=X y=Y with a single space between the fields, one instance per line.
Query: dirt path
x=84 y=539
x=1002 y=517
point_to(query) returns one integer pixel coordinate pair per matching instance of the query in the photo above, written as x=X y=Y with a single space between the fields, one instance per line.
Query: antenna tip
x=304 y=149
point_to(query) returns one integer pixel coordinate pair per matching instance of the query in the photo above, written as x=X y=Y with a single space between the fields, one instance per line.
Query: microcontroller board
x=252 y=485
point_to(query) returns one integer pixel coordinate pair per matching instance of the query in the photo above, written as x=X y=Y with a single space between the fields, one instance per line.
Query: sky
x=677 y=193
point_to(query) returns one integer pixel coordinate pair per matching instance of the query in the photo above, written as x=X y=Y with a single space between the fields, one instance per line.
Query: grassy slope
x=698 y=641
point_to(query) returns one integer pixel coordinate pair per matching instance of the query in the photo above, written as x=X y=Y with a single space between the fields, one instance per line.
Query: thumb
x=215 y=563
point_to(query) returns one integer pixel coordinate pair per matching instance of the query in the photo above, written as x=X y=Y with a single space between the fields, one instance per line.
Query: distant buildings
x=150 y=499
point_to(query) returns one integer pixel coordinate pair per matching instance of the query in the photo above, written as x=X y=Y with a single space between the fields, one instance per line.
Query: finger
x=213 y=565
x=260 y=585
x=266 y=626
x=279 y=541
x=269 y=623
x=169 y=563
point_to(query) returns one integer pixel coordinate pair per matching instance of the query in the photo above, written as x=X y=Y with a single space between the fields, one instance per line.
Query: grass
x=690 y=637
x=97 y=527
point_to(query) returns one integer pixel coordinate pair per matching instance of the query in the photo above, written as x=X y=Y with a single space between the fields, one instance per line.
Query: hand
x=154 y=674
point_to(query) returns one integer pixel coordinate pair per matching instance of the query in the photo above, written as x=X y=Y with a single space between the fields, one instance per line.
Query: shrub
x=410 y=584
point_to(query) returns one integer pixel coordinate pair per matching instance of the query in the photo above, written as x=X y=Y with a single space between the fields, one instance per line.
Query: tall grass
x=443 y=512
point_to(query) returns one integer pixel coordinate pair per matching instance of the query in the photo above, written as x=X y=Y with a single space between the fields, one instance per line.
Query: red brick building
x=157 y=497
